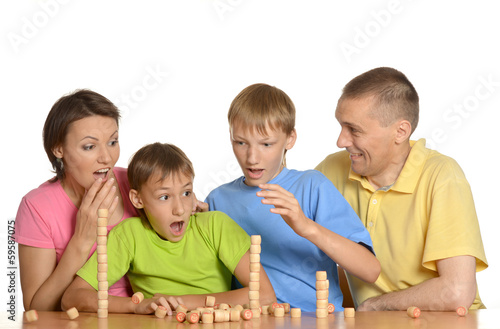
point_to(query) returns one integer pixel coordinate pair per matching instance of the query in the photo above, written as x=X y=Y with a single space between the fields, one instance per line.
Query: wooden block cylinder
x=255 y=239
x=72 y=313
x=321 y=312
x=279 y=312
x=349 y=312
x=295 y=312
x=320 y=275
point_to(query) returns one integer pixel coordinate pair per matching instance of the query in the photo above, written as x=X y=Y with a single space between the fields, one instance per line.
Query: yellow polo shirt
x=427 y=215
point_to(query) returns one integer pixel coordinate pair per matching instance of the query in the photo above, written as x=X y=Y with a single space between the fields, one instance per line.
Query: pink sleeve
x=30 y=227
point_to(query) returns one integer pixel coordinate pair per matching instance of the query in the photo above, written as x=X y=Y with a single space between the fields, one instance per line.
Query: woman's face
x=90 y=150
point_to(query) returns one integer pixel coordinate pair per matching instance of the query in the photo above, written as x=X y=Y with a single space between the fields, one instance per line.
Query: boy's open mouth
x=255 y=173
x=177 y=228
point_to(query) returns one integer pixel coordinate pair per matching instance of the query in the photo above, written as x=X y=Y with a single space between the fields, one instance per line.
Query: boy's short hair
x=259 y=104
x=394 y=95
x=157 y=158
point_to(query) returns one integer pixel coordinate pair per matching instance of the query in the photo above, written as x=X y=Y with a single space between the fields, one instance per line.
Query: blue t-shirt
x=291 y=261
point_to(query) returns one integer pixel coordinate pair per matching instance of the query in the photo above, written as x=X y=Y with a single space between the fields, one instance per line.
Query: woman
x=56 y=222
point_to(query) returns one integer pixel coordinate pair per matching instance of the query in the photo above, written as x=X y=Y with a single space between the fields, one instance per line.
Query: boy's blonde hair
x=261 y=104
x=157 y=158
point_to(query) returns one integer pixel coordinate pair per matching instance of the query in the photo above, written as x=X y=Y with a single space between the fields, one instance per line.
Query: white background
x=173 y=67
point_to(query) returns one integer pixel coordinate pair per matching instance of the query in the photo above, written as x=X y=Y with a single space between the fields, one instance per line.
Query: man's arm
x=455 y=286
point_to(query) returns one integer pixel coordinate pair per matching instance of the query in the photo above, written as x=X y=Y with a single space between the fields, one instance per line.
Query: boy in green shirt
x=170 y=255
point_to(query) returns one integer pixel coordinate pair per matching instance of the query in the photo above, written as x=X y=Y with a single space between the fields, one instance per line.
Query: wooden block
x=193 y=317
x=180 y=317
x=246 y=314
x=238 y=307
x=137 y=297
x=102 y=303
x=102 y=313
x=273 y=307
x=219 y=316
x=255 y=249
x=255 y=239
x=255 y=267
x=102 y=286
x=235 y=315
x=102 y=213
x=321 y=303
x=322 y=284
x=209 y=301
x=295 y=312
x=254 y=285
x=254 y=304
x=253 y=295
x=72 y=313
x=330 y=308
x=265 y=309
x=321 y=294
x=102 y=231
x=254 y=258
x=254 y=276
x=279 y=312
x=181 y=309
x=102 y=258
x=102 y=222
x=349 y=312
x=102 y=240
x=320 y=275
x=256 y=312
x=321 y=312
x=227 y=315
x=103 y=267
x=161 y=312
x=413 y=312
x=207 y=317
x=102 y=276
x=101 y=249
x=287 y=307
x=31 y=315
x=462 y=311
x=224 y=306
x=102 y=294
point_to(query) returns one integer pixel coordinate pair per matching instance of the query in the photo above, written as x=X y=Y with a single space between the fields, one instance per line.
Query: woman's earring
x=60 y=163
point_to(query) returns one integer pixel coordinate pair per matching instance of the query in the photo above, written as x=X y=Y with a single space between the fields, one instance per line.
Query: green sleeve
x=231 y=242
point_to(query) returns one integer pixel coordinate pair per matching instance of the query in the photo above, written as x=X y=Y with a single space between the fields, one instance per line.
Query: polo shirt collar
x=409 y=176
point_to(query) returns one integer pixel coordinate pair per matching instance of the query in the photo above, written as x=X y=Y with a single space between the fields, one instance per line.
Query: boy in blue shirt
x=305 y=223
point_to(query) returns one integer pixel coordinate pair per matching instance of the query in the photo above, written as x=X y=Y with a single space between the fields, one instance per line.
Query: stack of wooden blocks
x=102 y=263
x=254 y=285
x=322 y=285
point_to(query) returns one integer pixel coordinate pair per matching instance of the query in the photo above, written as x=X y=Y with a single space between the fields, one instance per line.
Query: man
x=415 y=202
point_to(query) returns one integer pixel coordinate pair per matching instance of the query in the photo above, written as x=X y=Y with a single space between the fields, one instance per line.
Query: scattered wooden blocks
x=31 y=315
x=254 y=285
x=180 y=317
x=193 y=317
x=210 y=301
x=462 y=311
x=161 y=312
x=138 y=297
x=295 y=312
x=72 y=313
x=413 y=312
x=246 y=314
x=322 y=285
x=349 y=312
x=102 y=263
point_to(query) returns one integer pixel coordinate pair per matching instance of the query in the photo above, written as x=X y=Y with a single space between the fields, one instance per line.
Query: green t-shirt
x=202 y=262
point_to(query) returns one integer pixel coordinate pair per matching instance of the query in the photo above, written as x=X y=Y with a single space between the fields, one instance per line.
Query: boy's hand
x=286 y=205
x=199 y=206
x=150 y=305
